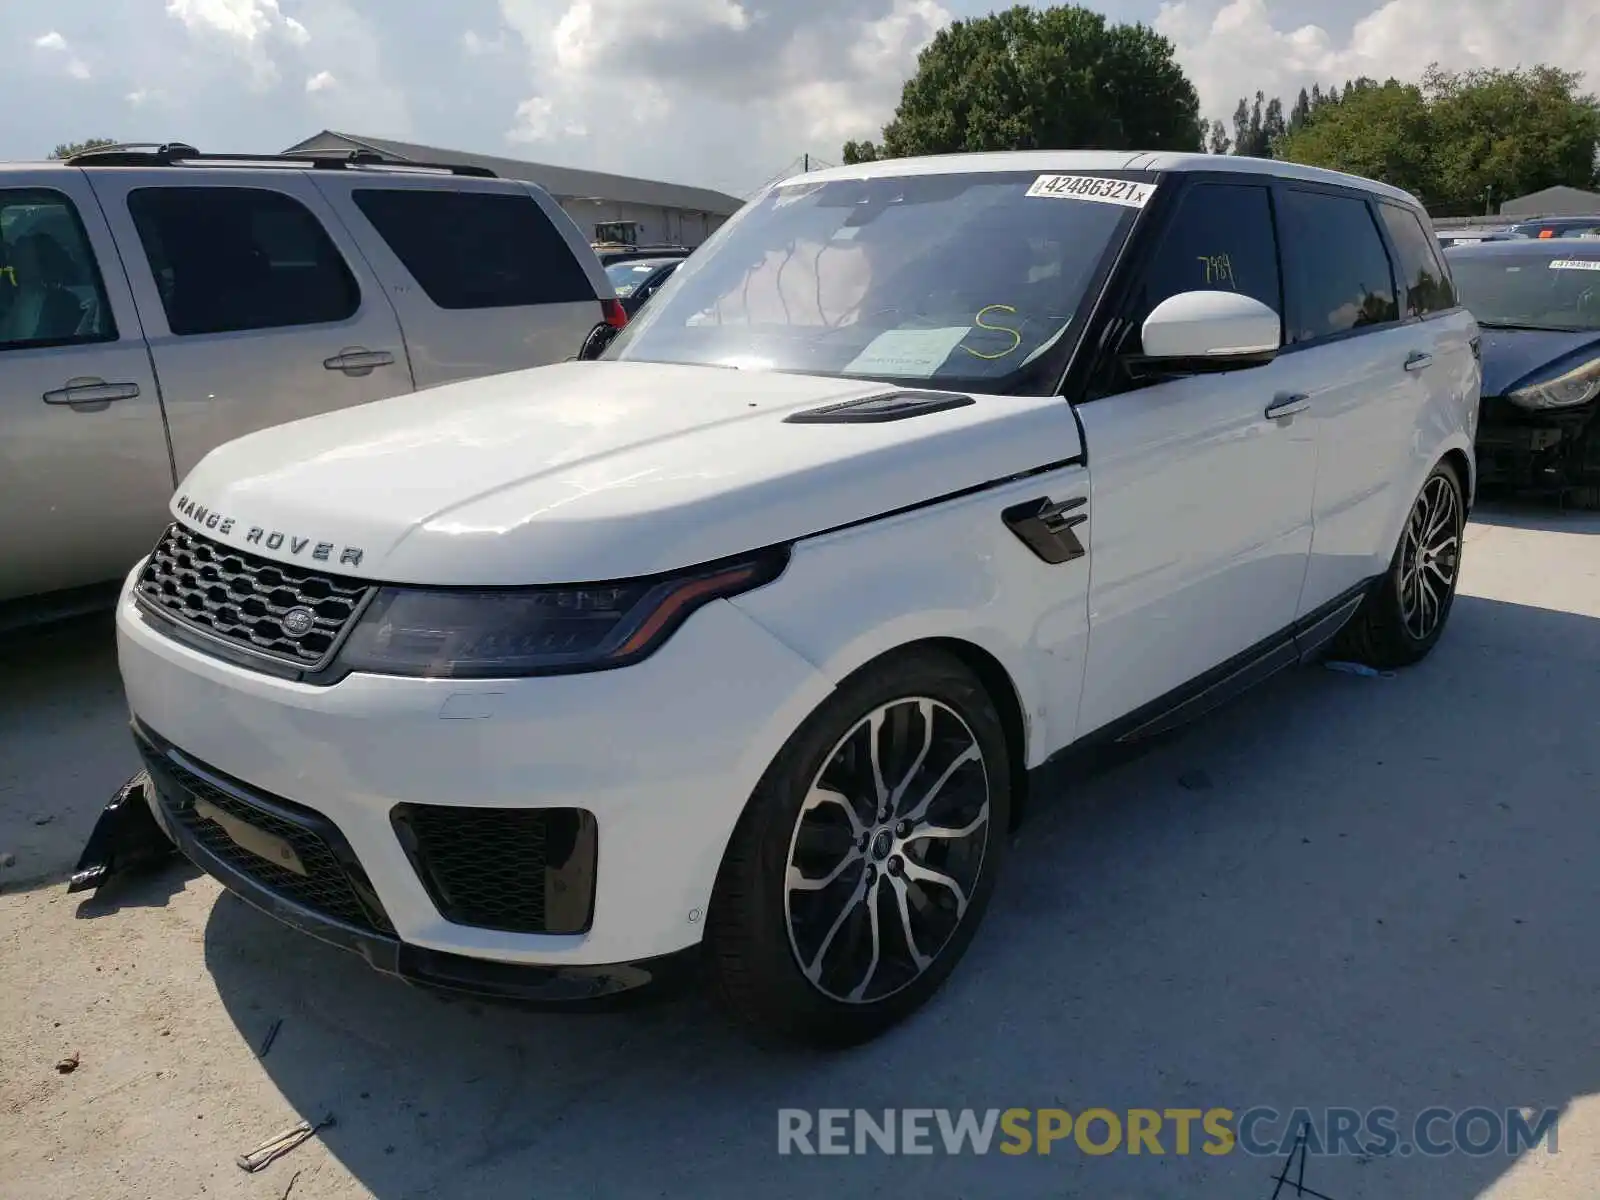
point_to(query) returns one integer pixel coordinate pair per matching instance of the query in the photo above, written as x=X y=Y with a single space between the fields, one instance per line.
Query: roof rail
x=175 y=154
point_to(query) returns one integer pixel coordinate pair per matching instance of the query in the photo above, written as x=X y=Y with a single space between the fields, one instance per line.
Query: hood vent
x=872 y=410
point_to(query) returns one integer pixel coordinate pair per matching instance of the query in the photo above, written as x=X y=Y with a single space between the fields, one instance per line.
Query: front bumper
x=662 y=755
x=1522 y=448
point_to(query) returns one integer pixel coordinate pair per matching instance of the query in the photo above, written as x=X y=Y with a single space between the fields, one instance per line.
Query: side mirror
x=1197 y=332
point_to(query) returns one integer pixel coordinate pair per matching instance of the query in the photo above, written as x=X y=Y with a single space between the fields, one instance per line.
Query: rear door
x=84 y=472
x=1359 y=367
x=488 y=275
x=257 y=304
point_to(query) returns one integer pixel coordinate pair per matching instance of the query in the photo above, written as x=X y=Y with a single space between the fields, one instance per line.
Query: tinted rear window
x=476 y=249
x=1336 y=270
x=228 y=259
x=1424 y=278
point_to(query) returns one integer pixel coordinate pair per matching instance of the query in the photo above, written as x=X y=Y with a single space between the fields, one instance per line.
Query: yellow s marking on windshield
x=1219 y=269
x=978 y=321
x=10 y=273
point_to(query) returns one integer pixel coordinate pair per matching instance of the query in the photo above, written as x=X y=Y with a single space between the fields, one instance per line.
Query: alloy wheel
x=1430 y=557
x=887 y=851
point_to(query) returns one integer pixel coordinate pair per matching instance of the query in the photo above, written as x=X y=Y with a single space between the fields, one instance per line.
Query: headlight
x=1577 y=386
x=484 y=633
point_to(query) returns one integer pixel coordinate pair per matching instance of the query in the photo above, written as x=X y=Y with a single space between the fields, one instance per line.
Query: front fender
x=950 y=570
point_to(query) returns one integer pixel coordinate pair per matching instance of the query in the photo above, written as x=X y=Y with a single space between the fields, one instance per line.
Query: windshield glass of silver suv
x=954 y=281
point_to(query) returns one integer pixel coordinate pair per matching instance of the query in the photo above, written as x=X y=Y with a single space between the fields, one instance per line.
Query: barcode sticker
x=1575 y=264
x=1127 y=192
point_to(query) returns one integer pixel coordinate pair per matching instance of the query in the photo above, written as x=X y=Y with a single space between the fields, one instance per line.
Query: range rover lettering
x=741 y=643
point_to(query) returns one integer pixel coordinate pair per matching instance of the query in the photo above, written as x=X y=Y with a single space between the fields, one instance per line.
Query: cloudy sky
x=721 y=93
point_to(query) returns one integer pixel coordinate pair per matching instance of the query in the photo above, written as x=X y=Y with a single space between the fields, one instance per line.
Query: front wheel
x=1400 y=622
x=864 y=862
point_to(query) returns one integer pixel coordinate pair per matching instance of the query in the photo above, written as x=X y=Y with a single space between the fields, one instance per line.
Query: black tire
x=1585 y=496
x=754 y=949
x=1385 y=632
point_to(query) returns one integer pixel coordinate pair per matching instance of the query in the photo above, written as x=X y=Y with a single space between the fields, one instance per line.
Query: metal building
x=1560 y=201
x=648 y=210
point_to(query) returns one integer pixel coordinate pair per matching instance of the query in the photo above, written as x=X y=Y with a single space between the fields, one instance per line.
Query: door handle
x=356 y=361
x=1418 y=361
x=91 y=391
x=1288 y=406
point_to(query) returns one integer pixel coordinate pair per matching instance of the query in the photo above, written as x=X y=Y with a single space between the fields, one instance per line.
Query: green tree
x=859 y=152
x=1499 y=134
x=68 y=149
x=1217 y=139
x=1379 y=132
x=1458 y=140
x=1034 y=79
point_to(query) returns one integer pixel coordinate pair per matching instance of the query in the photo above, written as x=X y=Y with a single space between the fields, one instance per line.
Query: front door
x=84 y=471
x=1202 y=502
x=258 y=307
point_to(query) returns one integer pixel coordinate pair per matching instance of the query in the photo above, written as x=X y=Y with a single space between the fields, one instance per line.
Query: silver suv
x=156 y=302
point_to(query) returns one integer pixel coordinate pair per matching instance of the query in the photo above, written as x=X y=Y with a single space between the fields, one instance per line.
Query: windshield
x=627 y=276
x=956 y=281
x=1536 y=291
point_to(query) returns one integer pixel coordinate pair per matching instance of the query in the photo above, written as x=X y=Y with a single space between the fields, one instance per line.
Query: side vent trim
x=873 y=410
x=1048 y=528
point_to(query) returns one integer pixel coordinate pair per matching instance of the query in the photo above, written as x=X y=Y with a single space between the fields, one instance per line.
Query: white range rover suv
x=745 y=638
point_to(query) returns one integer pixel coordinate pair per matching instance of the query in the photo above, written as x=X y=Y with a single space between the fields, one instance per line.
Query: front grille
x=329 y=887
x=243 y=599
x=521 y=870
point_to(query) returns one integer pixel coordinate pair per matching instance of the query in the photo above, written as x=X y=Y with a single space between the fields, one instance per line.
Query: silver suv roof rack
x=178 y=154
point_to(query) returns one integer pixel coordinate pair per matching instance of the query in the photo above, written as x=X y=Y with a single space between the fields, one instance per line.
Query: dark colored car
x=1557 y=227
x=610 y=255
x=1538 y=305
x=637 y=279
x=1469 y=236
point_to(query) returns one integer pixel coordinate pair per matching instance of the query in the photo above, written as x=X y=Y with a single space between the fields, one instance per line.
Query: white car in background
x=745 y=639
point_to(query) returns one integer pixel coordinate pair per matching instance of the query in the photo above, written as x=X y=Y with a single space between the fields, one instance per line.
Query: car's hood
x=1511 y=355
x=594 y=471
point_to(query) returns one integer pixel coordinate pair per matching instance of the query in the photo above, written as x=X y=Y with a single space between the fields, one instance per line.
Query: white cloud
x=321 y=82
x=475 y=44
x=56 y=45
x=770 y=78
x=1398 y=38
x=244 y=20
x=248 y=28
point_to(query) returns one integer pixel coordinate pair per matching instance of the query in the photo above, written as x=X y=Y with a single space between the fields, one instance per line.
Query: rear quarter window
x=476 y=249
x=1424 y=278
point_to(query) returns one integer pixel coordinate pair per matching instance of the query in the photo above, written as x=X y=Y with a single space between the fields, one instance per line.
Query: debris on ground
x=1361 y=669
x=293 y=1179
x=8 y=859
x=1195 y=781
x=44 y=820
x=69 y=1064
x=272 y=1036
x=276 y=1147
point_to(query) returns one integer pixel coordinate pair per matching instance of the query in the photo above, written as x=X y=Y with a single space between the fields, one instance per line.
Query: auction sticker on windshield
x=1575 y=264
x=912 y=353
x=1126 y=192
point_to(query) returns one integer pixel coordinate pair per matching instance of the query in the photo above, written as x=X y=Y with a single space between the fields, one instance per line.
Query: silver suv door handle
x=1418 y=361
x=356 y=361
x=1288 y=406
x=91 y=391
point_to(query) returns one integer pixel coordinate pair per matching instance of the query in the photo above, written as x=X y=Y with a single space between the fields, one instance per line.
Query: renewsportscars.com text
x=1258 y=1131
